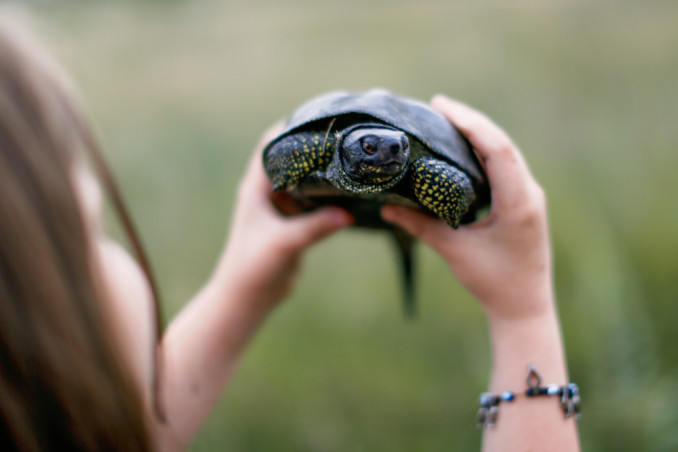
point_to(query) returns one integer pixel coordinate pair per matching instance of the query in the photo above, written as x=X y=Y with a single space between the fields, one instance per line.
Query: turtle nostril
x=395 y=149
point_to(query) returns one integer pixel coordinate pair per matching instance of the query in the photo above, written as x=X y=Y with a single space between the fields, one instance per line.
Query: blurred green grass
x=181 y=91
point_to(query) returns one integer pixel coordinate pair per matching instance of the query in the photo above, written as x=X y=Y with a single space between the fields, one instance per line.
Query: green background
x=179 y=93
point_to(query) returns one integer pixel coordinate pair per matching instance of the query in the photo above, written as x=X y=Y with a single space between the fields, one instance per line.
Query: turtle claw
x=279 y=185
x=442 y=188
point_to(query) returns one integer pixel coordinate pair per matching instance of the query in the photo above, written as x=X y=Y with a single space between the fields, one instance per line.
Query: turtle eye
x=406 y=143
x=368 y=147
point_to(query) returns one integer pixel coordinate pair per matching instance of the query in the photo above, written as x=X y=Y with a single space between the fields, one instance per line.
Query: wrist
x=518 y=342
x=505 y=319
x=516 y=345
x=520 y=302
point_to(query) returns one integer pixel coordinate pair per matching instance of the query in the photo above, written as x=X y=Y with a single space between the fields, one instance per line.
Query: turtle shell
x=340 y=111
x=409 y=115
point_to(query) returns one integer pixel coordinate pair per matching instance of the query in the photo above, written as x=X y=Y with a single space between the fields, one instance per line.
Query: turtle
x=360 y=150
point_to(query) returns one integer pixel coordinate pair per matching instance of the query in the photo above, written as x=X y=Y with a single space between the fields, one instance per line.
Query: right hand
x=505 y=258
x=269 y=235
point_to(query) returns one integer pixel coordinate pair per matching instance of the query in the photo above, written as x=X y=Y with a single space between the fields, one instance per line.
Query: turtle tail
x=405 y=244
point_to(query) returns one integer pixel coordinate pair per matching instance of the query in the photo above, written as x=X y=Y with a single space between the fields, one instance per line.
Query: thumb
x=309 y=228
x=426 y=228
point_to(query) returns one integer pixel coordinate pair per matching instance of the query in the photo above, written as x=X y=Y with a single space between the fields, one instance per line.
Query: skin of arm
x=257 y=269
x=504 y=260
x=203 y=343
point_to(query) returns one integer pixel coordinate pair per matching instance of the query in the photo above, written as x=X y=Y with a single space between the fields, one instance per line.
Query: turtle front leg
x=442 y=188
x=295 y=156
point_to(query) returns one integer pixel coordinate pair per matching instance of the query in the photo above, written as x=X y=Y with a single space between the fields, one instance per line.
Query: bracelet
x=569 y=398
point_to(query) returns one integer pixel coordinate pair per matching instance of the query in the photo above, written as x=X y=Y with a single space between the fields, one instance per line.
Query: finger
x=432 y=231
x=307 y=229
x=509 y=176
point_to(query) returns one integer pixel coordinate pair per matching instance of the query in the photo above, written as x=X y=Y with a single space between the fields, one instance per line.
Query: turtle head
x=374 y=155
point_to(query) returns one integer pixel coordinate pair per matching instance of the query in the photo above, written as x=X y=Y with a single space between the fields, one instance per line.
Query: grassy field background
x=179 y=93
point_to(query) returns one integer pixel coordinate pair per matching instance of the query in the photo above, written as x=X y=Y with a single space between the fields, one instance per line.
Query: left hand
x=270 y=233
x=505 y=258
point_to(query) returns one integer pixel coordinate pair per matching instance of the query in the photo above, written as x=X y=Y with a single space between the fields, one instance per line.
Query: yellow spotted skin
x=442 y=189
x=296 y=156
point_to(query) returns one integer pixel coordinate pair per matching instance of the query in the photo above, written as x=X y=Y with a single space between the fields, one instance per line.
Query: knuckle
x=528 y=219
x=530 y=211
x=504 y=148
x=539 y=196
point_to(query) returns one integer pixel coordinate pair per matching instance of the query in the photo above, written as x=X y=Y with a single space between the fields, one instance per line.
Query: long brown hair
x=64 y=384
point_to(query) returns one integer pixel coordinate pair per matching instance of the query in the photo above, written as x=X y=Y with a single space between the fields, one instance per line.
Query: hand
x=503 y=259
x=270 y=233
x=203 y=343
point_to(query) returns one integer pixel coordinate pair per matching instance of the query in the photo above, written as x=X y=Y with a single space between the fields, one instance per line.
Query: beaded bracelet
x=569 y=398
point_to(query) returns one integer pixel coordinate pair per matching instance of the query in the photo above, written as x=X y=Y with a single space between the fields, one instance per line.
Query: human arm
x=258 y=267
x=505 y=261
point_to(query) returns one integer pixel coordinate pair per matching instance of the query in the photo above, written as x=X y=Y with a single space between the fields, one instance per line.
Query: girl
x=83 y=363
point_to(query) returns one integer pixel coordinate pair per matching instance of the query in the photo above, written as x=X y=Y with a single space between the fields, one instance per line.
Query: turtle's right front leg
x=296 y=156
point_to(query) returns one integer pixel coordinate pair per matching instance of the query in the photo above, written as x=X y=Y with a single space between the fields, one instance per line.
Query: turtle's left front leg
x=442 y=188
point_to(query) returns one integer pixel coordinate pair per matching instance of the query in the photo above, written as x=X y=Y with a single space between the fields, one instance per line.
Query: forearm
x=203 y=345
x=201 y=349
x=538 y=423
